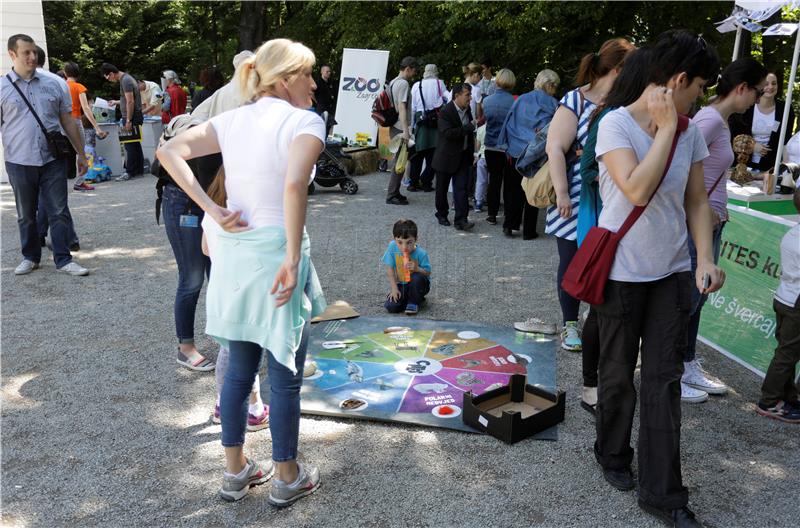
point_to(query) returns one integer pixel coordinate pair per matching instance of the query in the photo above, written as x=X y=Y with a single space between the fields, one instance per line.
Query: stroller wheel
x=311 y=188
x=349 y=186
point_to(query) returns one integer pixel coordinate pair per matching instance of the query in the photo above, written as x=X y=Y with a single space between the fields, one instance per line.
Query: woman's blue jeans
x=698 y=299
x=284 y=397
x=193 y=266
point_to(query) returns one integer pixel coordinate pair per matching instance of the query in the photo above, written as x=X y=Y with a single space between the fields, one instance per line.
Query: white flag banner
x=780 y=30
x=362 y=77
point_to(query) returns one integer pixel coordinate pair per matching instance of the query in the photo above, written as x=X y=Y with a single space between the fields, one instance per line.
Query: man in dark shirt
x=130 y=104
x=325 y=94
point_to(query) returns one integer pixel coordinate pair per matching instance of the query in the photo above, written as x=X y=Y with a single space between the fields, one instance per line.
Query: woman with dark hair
x=763 y=122
x=211 y=80
x=566 y=135
x=648 y=294
x=627 y=87
x=738 y=89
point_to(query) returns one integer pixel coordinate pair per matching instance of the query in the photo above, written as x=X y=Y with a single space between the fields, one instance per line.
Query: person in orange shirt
x=80 y=104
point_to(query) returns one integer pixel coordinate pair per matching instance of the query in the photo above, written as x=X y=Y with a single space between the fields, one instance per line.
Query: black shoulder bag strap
x=423 y=98
x=41 y=125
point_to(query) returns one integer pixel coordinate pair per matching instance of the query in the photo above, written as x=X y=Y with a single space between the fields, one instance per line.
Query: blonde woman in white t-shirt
x=269 y=148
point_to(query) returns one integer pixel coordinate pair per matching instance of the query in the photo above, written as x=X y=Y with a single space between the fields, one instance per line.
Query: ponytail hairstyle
x=216 y=191
x=678 y=50
x=596 y=65
x=744 y=70
x=273 y=61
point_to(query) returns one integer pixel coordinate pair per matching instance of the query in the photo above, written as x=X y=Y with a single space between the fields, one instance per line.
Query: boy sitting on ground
x=779 y=394
x=407 y=269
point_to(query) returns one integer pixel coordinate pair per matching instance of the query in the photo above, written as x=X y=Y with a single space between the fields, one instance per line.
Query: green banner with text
x=738 y=320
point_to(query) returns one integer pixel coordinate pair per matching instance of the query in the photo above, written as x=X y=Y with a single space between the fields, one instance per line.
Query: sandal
x=202 y=365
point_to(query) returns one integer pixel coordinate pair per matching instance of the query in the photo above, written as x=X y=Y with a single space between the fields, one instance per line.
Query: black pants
x=134 y=159
x=495 y=164
x=569 y=304
x=460 y=180
x=657 y=313
x=413 y=292
x=419 y=179
x=516 y=205
x=779 y=383
x=590 y=352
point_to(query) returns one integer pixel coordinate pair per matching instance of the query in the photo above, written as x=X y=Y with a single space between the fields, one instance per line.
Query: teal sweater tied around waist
x=239 y=306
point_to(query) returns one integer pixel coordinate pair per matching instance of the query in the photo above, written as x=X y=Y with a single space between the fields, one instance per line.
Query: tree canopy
x=149 y=36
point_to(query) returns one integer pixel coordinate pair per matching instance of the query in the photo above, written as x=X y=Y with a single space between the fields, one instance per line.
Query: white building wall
x=19 y=17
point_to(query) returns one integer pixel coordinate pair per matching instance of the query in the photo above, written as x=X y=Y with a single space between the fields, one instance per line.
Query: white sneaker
x=123 y=177
x=692 y=395
x=73 y=268
x=25 y=267
x=695 y=376
x=536 y=326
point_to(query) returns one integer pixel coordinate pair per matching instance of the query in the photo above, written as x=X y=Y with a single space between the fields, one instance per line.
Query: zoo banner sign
x=738 y=320
x=362 y=76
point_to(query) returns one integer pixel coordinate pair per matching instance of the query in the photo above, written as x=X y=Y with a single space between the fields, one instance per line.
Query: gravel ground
x=100 y=427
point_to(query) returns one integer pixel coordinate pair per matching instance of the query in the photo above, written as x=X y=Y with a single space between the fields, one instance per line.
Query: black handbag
x=59 y=144
x=429 y=118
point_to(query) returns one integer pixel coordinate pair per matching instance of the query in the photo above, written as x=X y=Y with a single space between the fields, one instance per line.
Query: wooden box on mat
x=514 y=411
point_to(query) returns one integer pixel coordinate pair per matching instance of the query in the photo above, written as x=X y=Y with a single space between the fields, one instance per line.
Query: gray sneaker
x=25 y=267
x=74 y=269
x=283 y=494
x=124 y=177
x=234 y=489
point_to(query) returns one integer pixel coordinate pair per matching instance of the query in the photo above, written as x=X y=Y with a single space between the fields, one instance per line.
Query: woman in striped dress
x=565 y=138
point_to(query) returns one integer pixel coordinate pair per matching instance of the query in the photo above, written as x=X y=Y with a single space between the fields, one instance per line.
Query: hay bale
x=365 y=161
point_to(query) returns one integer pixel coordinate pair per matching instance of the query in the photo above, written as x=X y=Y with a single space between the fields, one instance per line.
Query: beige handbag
x=539 y=190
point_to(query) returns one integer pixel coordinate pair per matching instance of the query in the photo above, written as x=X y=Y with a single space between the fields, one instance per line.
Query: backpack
x=176 y=125
x=383 y=111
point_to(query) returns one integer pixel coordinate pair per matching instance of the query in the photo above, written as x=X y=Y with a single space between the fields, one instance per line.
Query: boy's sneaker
x=536 y=326
x=690 y=394
x=83 y=186
x=571 y=337
x=695 y=376
x=309 y=368
x=234 y=489
x=257 y=423
x=215 y=416
x=283 y=494
x=412 y=309
x=783 y=411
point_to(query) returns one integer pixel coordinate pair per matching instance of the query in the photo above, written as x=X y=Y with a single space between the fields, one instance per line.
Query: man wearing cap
x=177 y=96
x=130 y=105
x=400 y=90
x=226 y=98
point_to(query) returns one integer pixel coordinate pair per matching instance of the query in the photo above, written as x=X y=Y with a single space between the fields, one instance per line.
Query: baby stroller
x=331 y=171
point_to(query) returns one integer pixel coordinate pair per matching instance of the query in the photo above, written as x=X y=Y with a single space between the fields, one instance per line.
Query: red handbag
x=586 y=276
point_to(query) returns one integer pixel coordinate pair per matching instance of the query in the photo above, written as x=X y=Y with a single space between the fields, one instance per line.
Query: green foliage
x=142 y=38
x=148 y=36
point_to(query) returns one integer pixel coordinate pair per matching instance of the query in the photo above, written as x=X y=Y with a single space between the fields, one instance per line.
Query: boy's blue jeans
x=698 y=299
x=244 y=361
x=412 y=293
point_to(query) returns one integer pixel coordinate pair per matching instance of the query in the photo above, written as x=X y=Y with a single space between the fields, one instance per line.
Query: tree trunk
x=251 y=25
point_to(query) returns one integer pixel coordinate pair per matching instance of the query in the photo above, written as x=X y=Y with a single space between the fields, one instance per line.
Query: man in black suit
x=453 y=158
